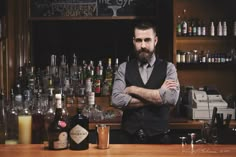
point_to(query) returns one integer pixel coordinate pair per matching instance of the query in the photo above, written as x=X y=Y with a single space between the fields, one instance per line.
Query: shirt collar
x=151 y=61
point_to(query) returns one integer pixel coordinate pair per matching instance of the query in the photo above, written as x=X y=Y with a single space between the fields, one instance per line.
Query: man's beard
x=144 y=55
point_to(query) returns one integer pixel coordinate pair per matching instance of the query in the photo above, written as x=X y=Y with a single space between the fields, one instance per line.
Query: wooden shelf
x=207 y=38
x=206 y=66
x=71 y=18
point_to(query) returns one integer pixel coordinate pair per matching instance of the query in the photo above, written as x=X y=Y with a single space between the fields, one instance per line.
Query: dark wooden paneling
x=3 y=7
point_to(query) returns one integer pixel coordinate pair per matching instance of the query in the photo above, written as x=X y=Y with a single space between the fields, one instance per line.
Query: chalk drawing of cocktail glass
x=114 y=9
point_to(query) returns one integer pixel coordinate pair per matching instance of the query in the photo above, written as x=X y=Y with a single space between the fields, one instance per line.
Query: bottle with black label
x=79 y=128
x=57 y=130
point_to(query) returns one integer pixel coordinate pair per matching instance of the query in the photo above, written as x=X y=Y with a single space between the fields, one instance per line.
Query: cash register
x=202 y=102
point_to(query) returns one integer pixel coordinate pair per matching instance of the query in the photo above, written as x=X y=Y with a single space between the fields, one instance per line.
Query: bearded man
x=144 y=88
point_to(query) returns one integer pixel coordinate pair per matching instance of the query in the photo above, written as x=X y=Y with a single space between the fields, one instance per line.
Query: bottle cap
x=58 y=96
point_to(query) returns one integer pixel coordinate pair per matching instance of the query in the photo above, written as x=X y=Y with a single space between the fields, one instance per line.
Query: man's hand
x=128 y=90
x=134 y=103
x=169 y=84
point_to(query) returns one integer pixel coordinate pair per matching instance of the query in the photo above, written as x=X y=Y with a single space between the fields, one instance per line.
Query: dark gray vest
x=153 y=119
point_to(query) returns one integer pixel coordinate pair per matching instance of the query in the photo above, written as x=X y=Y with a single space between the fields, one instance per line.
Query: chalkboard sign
x=46 y=8
x=77 y=8
x=126 y=7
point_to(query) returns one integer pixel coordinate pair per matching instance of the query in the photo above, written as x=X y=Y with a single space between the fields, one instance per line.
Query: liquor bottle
x=184 y=24
x=56 y=79
x=89 y=78
x=63 y=70
x=212 y=29
x=20 y=80
x=53 y=66
x=27 y=67
x=190 y=28
x=37 y=121
x=94 y=110
x=65 y=113
x=49 y=115
x=109 y=75
x=91 y=65
x=19 y=90
x=79 y=128
x=116 y=66
x=74 y=71
x=46 y=78
x=84 y=71
x=219 y=29
x=38 y=83
x=178 y=28
x=105 y=88
x=194 y=27
x=12 y=118
x=224 y=29
x=80 y=76
x=98 y=79
x=88 y=84
x=57 y=130
x=69 y=103
x=89 y=108
x=204 y=33
x=199 y=28
x=31 y=79
x=178 y=53
x=80 y=84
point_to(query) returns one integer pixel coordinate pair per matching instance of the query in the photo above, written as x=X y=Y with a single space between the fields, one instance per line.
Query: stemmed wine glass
x=183 y=140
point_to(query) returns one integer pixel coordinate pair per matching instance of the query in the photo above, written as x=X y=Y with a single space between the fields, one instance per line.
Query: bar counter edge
x=118 y=150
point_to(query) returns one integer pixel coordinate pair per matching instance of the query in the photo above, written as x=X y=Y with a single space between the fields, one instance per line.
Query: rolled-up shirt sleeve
x=119 y=98
x=170 y=96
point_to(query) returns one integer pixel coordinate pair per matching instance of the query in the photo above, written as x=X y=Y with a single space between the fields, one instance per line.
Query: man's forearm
x=149 y=95
x=167 y=94
x=134 y=103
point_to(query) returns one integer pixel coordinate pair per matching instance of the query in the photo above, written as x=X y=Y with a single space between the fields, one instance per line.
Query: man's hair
x=144 y=25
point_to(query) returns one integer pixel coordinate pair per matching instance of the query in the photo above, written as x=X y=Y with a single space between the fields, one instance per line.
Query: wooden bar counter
x=182 y=124
x=122 y=150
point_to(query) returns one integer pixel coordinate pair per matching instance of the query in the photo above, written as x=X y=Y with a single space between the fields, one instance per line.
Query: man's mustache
x=143 y=50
